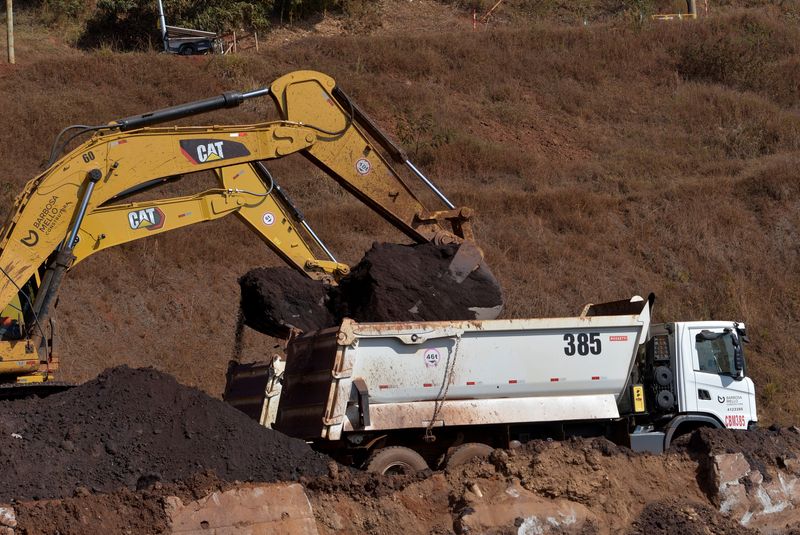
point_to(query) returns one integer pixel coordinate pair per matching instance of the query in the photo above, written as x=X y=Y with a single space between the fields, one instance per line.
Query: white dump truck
x=408 y=396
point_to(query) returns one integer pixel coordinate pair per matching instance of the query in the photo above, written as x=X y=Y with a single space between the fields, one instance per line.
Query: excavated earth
x=396 y=282
x=111 y=455
x=705 y=485
x=392 y=282
x=278 y=299
x=132 y=428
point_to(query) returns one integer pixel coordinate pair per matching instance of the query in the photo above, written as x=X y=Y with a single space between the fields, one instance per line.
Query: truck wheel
x=465 y=452
x=396 y=460
x=186 y=50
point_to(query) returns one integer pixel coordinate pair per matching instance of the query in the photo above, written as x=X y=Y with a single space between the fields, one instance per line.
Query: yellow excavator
x=78 y=207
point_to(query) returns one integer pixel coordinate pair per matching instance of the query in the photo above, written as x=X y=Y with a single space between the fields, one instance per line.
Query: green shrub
x=132 y=24
x=735 y=52
x=55 y=11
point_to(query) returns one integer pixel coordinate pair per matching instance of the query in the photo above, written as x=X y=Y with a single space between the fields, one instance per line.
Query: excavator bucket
x=490 y=284
x=467 y=259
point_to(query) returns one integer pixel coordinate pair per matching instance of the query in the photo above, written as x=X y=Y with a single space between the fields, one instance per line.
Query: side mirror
x=738 y=360
x=742 y=332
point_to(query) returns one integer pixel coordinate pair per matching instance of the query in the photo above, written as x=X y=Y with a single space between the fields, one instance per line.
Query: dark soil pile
x=276 y=300
x=391 y=283
x=415 y=283
x=672 y=516
x=132 y=428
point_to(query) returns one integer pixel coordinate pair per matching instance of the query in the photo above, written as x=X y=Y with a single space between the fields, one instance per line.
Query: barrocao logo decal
x=149 y=218
x=200 y=151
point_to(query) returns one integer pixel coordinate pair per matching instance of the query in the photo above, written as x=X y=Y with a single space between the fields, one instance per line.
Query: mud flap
x=269 y=508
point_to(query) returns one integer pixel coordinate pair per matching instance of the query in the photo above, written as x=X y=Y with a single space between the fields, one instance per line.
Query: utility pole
x=162 y=23
x=10 y=29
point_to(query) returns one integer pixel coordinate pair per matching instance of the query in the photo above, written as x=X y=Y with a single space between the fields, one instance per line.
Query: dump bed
x=373 y=376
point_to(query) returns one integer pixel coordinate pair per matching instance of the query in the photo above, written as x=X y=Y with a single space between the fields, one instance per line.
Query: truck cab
x=695 y=375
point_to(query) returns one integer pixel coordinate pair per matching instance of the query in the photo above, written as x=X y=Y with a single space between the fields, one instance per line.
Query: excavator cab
x=17 y=317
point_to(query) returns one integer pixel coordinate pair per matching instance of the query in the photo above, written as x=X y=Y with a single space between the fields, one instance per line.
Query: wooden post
x=10 y=23
x=234 y=42
x=256 y=35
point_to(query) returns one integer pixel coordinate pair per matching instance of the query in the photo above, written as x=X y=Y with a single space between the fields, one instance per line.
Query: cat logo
x=149 y=218
x=210 y=152
x=200 y=151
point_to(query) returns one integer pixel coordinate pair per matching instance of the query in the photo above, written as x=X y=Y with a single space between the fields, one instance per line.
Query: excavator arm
x=73 y=209
x=260 y=204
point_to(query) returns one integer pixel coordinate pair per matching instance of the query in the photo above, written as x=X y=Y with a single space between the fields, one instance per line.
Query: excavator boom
x=75 y=208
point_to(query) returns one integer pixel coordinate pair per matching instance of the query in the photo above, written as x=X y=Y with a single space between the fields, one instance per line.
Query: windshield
x=716 y=355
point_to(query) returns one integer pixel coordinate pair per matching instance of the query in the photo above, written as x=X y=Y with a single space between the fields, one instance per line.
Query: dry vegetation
x=603 y=160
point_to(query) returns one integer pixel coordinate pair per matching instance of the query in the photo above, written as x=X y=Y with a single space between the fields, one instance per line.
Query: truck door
x=719 y=389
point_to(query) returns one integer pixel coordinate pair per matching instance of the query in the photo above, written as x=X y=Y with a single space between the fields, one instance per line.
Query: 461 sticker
x=432 y=357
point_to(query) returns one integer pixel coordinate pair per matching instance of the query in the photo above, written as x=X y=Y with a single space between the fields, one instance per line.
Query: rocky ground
x=139 y=453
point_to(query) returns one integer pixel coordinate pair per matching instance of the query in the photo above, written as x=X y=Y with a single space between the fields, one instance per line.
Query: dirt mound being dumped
x=392 y=282
x=133 y=427
x=417 y=283
x=275 y=300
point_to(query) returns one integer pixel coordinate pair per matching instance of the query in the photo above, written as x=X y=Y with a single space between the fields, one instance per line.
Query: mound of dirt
x=579 y=486
x=416 y=283
x=122 y=511
x=132 y=428
x=276 y=300
x=671 y=516
x=761 y=448
x=392 y=282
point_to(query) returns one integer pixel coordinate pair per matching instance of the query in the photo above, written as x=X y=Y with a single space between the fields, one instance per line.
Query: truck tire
x=395 y=460
x=186 y=50
x=463 y=453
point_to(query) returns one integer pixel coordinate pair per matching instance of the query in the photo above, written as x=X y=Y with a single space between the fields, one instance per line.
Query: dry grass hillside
x=604 y=160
